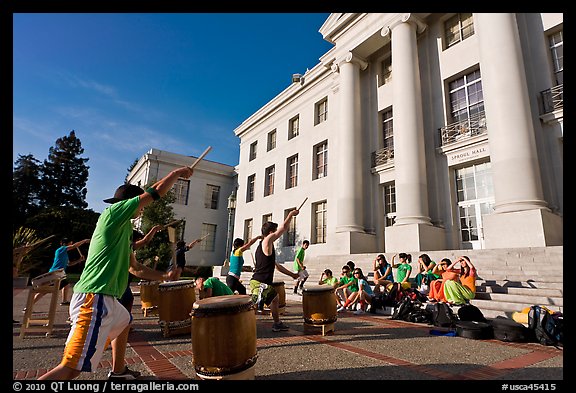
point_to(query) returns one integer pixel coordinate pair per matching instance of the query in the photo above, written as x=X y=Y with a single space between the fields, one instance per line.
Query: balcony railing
x=474 y=125
x=552 y=99
x=382 y=156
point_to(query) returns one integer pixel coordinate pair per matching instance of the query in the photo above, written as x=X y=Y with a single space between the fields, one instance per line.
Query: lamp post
x=231 y=210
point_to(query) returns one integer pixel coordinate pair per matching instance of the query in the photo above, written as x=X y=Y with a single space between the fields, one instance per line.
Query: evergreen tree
x=65 y=174
x=26 y=187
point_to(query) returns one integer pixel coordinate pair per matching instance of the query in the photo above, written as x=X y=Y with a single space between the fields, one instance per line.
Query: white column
x=409 y=156
x=515 y=168
x=349 y=205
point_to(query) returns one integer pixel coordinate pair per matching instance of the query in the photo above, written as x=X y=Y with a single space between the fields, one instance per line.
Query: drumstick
x=302 y=203
x=203 y=237
x=171 y=223
x=201 y=157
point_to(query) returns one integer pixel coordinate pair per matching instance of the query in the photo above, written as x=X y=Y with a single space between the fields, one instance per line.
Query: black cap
x=125 y=191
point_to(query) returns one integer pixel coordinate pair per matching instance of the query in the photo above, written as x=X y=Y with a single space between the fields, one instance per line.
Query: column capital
x=350 y=58
x=403 y=18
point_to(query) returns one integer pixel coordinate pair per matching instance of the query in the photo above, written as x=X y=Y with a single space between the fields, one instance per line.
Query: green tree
x=26 y=187
x=65 y=174
x=158 y=213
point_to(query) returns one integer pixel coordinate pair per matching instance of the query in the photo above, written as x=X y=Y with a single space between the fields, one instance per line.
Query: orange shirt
x=469 y=281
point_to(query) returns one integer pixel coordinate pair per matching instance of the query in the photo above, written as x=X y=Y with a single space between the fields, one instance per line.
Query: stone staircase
x=509 y=280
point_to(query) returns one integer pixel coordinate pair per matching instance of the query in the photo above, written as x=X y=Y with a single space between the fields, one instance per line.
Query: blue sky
x=129 y=82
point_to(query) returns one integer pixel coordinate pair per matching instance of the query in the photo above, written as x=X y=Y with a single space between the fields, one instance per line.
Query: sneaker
x=369 y=308
x=341 y=309
x=127 y=374
x=276 y=327
x=359 y=312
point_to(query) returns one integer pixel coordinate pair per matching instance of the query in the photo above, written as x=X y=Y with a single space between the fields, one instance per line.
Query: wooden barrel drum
x=149 y=296
x=319 y=304
x=224 y=337
x=175 y=301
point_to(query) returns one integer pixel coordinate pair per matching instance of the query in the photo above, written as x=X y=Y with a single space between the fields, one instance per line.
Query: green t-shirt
x=330 y=281
x=403 y=270
x=108 y=260
x=352 y=287
x=217 y=286
x=299 y=256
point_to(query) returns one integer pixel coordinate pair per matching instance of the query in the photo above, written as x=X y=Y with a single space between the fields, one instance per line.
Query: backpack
x=474 y=330
x=420 y=315
x=470 y=312
x=403 y=309
x=442 y=315
x=547 y=328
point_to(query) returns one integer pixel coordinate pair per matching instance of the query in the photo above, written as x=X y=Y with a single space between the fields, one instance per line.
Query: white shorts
x=303 y=274
x=96 y=320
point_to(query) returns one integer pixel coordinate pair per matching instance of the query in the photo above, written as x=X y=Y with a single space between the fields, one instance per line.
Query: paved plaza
x=362 y=347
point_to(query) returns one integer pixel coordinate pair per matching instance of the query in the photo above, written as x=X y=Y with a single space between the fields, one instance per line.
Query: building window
x=269 y=179
x=386 y=69
x=271 y=140
x=250 y=188
x=248 y=224
x=290 y=234
x=458 y=28
x=475 y=197
x=292 y=171
x=181 y=189
x=266 y=218
x=320 y=160
x=389 y=204
x=466 y=97
x=319 y=228
x=556 y=41
x=294 y=127
x=208 y=244
x=388 y=131
x=321 y=111
x=253 y=148
x=211 y=197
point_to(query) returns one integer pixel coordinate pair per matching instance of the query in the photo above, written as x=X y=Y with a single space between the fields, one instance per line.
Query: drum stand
x=329 y=327
x=41 y=325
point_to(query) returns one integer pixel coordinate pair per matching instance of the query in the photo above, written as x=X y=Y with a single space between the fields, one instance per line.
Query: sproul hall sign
x=469 y=154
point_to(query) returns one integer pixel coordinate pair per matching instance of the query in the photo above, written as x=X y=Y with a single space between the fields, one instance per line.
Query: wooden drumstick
x=171 y=224
x=201 y=157
x=302 y=203
x=204 y=237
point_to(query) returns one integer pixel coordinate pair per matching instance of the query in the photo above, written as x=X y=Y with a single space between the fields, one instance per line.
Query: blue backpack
x=548 y=328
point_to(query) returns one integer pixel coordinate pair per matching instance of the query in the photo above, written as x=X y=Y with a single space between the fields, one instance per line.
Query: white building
x=414 y=132
x=201 y=201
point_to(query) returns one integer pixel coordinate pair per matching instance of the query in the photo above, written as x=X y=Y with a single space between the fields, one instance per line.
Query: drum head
x=318 y=288
x=226 y=301
x=146 y=282
x=171 y=284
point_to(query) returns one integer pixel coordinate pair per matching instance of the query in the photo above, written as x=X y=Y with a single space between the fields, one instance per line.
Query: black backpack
x=404 y=308
x=420 y=315
x=442 y=315
x=508 y=330
x=547 y=328
x=470 y=312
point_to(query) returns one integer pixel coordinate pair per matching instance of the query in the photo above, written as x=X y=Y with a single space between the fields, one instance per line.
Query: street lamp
x=231 y=210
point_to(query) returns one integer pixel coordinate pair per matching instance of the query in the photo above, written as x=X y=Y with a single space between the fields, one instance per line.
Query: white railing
x=552 y=99
x=382 y=156
x=474 y=125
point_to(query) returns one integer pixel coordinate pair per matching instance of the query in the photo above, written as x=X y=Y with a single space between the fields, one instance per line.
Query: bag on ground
x=403 y=309
x=470 y=312
x=547 y=327
x=508 y=330
x=442 y=315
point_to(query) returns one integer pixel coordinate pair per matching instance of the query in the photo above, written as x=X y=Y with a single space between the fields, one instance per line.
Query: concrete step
x=509 y=298
x=524 y=291
x=508 y=307
x=519 y=284
x=553 y=278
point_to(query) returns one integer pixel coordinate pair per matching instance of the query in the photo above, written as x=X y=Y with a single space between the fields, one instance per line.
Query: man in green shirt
x=96 y=314
x=212 y=286
x=299 y=267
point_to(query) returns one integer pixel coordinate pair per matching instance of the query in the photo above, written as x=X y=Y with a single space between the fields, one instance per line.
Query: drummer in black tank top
x=261 y=283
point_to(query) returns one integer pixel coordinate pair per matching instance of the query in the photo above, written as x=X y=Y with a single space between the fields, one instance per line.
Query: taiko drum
x=224 y=337
x=319 y=304
x=175 y=301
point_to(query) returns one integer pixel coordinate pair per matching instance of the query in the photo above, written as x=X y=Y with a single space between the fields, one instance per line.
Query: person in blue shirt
x=382 y=273
x=62 y=261
x=236 y=264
